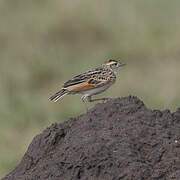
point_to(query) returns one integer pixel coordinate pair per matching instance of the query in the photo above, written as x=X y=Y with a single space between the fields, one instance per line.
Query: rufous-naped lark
x=91 y=82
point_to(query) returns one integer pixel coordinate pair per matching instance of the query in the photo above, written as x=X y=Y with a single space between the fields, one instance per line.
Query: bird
x=90 y=83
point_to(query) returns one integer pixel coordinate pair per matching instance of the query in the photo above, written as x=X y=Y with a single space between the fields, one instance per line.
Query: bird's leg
x=84 y=102
x=98 y=99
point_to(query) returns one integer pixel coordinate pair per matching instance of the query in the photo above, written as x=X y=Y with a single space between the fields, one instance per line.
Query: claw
x=106 y=100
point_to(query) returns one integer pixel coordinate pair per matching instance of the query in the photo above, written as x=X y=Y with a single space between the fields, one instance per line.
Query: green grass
x=44 y=43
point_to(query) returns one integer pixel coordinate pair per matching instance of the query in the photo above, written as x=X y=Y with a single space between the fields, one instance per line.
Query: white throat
x=115 y=72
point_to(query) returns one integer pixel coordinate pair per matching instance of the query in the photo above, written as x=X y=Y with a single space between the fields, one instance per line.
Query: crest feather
x=111 y=61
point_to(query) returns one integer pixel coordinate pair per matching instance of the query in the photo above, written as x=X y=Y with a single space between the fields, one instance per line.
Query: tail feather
x=58 y=95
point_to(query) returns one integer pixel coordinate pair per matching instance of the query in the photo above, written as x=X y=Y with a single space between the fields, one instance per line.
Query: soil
x=117 y=140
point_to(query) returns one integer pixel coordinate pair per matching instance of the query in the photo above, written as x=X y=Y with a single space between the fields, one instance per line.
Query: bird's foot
x=106 y=99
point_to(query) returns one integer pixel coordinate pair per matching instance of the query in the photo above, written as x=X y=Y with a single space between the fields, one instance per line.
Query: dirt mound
x=120 y=139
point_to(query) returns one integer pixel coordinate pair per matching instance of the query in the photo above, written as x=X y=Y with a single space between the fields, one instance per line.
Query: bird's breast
x=97 y=90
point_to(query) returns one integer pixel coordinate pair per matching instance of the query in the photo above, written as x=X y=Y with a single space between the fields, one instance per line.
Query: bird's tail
x=58 y=95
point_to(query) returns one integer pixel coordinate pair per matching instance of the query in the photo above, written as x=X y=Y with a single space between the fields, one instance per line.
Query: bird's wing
x=91 y=79
x=82 y=77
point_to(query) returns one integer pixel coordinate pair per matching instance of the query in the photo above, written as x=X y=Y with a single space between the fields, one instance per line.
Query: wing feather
x=88 y=84
x=89 y=80
x=82 y=77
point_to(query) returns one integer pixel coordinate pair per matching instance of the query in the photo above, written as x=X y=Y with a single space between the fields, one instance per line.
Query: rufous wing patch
x=89 y=84
x=81 y=87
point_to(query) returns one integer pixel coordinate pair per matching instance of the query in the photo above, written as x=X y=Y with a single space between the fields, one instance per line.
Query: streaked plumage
x=91 y=82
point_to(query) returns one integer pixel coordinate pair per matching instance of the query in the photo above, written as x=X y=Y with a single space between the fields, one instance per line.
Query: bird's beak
x=121 y=64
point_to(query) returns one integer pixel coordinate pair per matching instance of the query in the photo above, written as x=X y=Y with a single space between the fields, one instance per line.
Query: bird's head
x=114 y=65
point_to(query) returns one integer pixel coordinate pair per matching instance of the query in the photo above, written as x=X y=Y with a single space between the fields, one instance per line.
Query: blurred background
x=44 y=43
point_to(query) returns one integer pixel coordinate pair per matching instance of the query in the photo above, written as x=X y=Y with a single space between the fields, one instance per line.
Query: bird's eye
x=115 y=64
